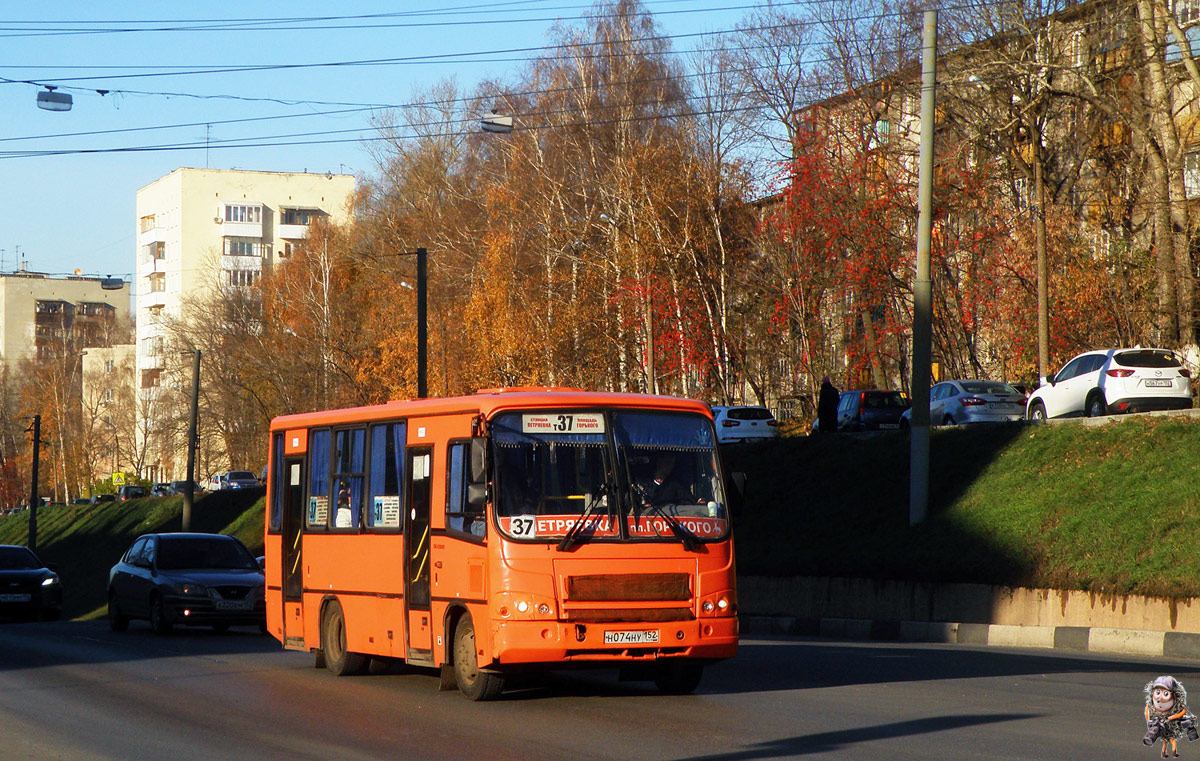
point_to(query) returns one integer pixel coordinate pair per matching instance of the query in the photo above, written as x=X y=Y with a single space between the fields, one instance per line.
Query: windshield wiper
x=691 y=542
x=574 y=535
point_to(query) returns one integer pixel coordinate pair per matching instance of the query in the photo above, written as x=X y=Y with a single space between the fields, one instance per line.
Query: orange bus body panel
x=593 y=588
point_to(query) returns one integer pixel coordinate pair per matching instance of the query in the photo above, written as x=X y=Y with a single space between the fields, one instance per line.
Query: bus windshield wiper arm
x=691 y=542
x=574 y=535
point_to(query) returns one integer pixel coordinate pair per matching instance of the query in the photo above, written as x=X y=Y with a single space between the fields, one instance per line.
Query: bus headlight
x=719 y=604
x=518 y=606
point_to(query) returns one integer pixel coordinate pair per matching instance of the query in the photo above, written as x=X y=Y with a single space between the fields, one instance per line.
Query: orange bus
x=513 y=529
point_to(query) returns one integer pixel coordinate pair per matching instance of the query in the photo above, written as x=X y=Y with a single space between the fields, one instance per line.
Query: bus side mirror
x=476 y=497
x=477 y=470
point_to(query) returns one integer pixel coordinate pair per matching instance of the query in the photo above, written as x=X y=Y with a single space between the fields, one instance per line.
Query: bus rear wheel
x=473 y=683
x=678 y=676
x=338 y=659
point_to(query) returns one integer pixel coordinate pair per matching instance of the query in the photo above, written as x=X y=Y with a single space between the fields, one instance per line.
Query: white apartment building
x=200 y=227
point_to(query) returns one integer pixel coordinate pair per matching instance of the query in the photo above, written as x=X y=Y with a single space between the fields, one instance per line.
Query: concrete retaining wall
x=869 y=600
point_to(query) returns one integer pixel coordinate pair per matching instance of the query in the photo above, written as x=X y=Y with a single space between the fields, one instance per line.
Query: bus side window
x=349 y=465
x=318 y=486
x=385 y=476
x=460 y=514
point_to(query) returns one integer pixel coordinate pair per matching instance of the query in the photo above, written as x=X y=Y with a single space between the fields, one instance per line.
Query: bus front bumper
x=515 y=642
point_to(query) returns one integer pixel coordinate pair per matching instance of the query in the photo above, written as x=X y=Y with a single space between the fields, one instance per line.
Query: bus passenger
x=343 y=518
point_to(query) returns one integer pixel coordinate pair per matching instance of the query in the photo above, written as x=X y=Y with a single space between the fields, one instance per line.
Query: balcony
x=152 y=235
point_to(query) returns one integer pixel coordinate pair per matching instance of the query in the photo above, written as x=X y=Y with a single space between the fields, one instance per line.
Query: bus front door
x=416 y=545
x=293 y=530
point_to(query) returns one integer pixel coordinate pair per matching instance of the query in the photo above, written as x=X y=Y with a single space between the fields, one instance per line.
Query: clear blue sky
x=76 y=210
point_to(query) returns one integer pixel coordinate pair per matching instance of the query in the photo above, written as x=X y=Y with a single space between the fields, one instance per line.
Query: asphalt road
x=77 y=691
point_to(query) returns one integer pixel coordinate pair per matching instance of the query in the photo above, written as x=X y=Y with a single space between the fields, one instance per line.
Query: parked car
x=234 y=479
x=187 y=579
x=81 y=501
x=132 y=491
x=870 y=410
x=957 y=402
x=99 y=498
x=28 y=587
x=179 y=487
x=1109 y=381
x=738 y=424
x=162 y=489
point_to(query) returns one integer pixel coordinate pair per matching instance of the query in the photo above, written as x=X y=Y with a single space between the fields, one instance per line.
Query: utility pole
x=33 y=489
x=422 y=330
x=918 y=474
x=189 y=492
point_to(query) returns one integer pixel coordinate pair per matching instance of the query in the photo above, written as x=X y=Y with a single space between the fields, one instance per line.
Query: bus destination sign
x=563 y=422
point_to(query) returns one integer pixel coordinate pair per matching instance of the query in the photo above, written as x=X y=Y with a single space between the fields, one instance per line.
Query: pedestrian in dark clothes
x=827 y=407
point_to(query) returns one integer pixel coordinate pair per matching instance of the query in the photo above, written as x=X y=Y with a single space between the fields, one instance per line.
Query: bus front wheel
x=678 y=677
x=338 y=659
x=473 y=683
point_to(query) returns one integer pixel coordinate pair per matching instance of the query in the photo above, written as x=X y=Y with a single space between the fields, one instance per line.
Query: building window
x=108 y=396
x=242 y=247
x=1186 y=11
x=243 y=213
x=157 y=250
x=93 y=308
x=294 y=216
x=290 y=247
x=49 y=307
x=243 y=278
x=1191 y=174
x=148 y=223
x=151 y=378
x=158 y=282
x=108 y=366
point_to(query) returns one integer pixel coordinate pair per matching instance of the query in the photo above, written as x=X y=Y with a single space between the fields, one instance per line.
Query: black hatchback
x=187 y=579
x=871 y=410
x=28 y=587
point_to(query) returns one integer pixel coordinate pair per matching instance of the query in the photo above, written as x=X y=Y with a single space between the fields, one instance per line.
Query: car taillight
x=729 y=423
x=1184 y=373
x=772 y=423
x=862 y=403
x=973 y=401
x=1116 y=373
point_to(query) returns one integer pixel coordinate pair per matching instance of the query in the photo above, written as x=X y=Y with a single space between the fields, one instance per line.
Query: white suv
x=1111 y=381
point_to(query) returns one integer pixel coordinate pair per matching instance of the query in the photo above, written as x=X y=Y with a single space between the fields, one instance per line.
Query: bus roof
x=488 y=402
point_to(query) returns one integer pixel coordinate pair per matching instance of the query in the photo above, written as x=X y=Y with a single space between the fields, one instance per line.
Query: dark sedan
x=28 y=587
x=187 y=579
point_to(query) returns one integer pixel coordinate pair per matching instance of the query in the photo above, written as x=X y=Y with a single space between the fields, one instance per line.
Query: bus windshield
x=624 y=475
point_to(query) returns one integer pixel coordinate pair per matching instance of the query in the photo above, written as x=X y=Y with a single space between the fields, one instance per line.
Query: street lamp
x=49 y=100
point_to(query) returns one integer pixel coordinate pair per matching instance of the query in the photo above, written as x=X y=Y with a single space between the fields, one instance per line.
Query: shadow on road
x=37 y=645
x=827 y=742
x=769 y=665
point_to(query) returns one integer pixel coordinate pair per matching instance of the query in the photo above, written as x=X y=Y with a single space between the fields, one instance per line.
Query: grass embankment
x=1112 y=508
x=84 y=541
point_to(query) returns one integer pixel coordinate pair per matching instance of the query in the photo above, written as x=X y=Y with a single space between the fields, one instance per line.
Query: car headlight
x=50 y=581
x=190 y=589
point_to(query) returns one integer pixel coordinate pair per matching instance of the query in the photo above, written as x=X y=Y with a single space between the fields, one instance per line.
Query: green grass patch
x=1112 y=508
x=84 y=541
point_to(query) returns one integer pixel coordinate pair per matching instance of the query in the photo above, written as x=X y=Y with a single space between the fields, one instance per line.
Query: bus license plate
x=234 y=605
x=647 y=637
x=15 y=598
x=1158 y=383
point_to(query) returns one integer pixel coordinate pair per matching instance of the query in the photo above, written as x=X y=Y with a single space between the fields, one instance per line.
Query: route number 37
x=522 y=526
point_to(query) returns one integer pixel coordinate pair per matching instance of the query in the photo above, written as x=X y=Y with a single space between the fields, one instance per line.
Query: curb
x=1091 y=639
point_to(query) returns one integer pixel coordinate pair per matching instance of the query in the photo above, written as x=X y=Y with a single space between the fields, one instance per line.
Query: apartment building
x=44 y=316
x=198 y=229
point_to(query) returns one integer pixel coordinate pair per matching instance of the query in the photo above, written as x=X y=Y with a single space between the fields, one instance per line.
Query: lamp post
x=189 y=491
x=33 y=488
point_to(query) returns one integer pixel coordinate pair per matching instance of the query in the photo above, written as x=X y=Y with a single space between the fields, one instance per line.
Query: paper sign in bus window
x=318 y=510
x=386 y=510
